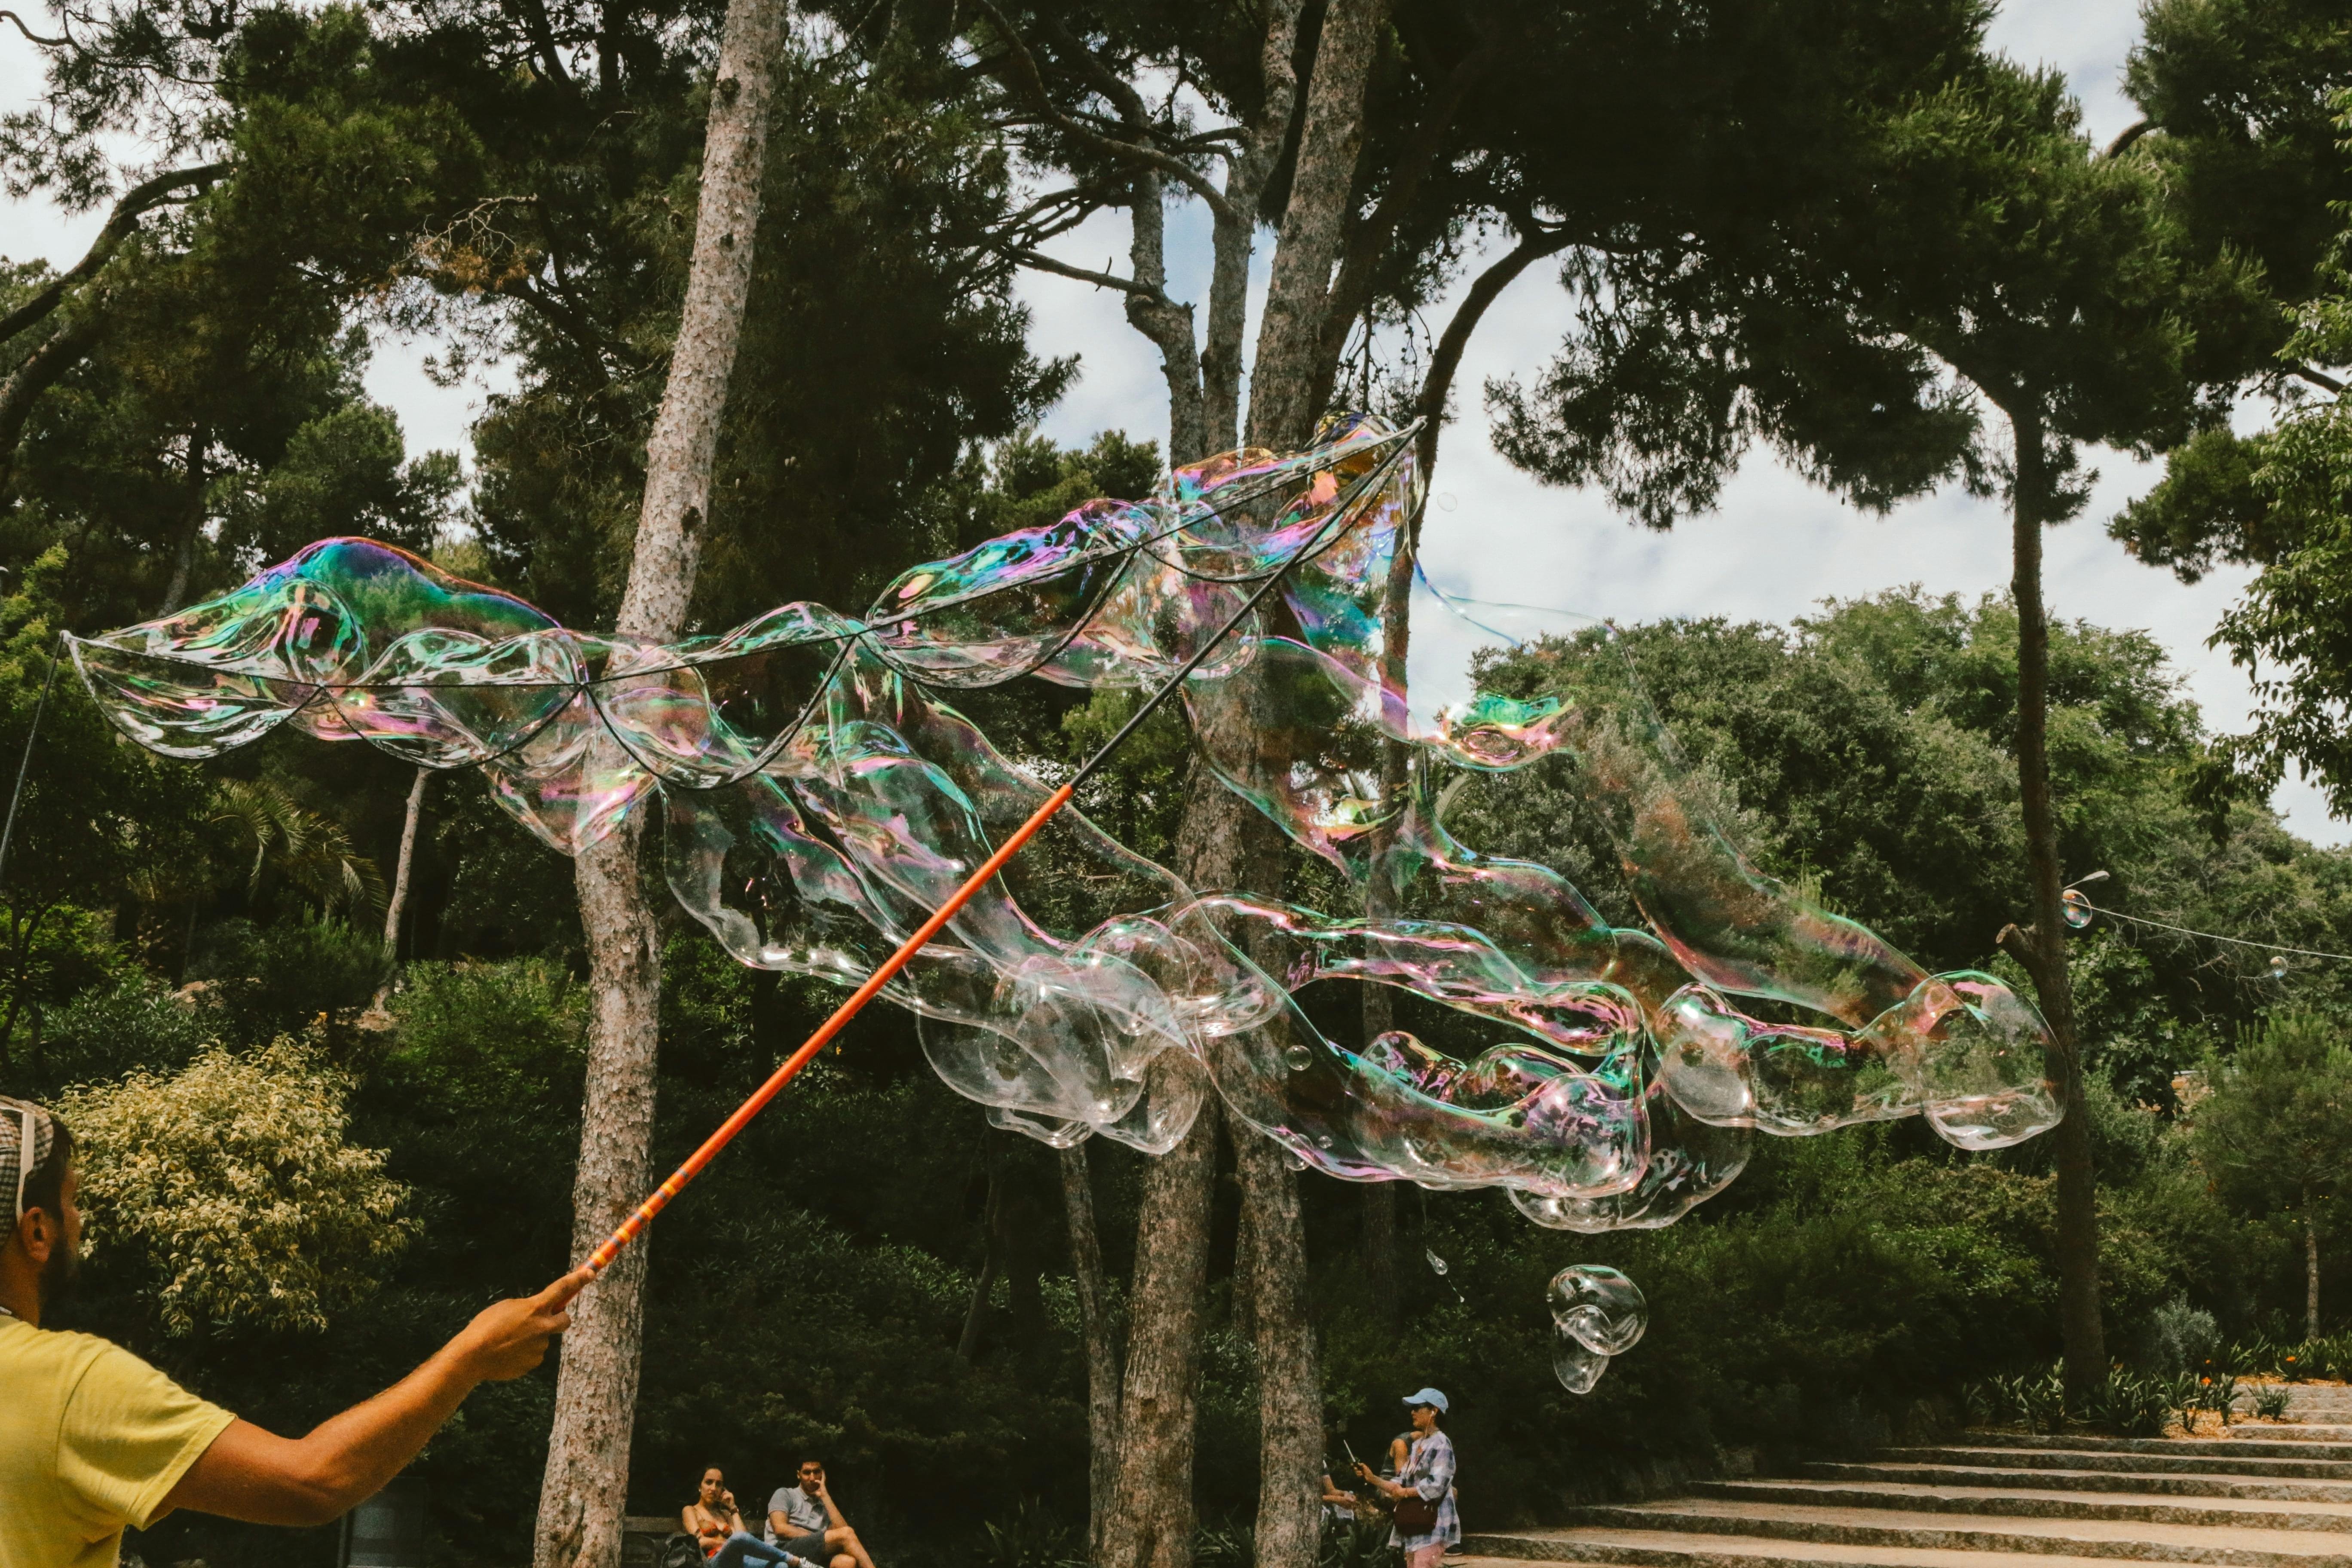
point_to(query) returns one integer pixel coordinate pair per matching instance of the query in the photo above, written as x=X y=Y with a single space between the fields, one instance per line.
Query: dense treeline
x=1848 y=232
x=818 y=1287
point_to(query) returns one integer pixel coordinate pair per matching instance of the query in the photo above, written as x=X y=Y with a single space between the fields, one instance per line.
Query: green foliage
x=1865 y=754
x=234 y=1180
x=2179 y=1339
x=2277 y=1129
x=2129 y=1404
x=1032 y=1537
x=289 y=974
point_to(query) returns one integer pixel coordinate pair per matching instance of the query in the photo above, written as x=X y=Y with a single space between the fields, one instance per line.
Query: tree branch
x=1445 y=359
x=1021 y=66
x=533 y=15
x=2315 y=375
x=1043 y=263
x=138 y=200
x=2130 y=134
x=575 y=324
x=39 y=372
x=2019 y=944
x=33 y=38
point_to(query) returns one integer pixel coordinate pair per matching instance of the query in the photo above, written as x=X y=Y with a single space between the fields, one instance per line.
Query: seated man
x=717 y=1526
x=804 y=1520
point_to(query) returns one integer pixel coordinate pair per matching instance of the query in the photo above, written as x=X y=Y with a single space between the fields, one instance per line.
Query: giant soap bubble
x=819 y=796
x=1600 y=1308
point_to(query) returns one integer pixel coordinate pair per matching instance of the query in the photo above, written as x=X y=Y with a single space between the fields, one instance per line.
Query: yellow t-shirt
x=91 y=1439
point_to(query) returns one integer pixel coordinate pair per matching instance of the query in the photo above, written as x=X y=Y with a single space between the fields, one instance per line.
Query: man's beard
x=58 y=1274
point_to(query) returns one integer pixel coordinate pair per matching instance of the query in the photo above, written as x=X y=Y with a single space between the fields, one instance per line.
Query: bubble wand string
x=25 y=762
x=635 y=1225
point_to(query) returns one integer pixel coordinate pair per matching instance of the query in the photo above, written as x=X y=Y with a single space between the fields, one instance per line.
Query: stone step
x=2264 y=1442
x=2232 y=1545
x=2127 y=1461
x=2040 y=1503
x=1697 y=1548
x=2209 y=1484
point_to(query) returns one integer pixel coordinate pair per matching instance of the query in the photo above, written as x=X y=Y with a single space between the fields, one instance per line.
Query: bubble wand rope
x=631 y=1228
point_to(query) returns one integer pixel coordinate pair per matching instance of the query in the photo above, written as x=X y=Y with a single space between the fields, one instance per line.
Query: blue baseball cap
x=1429 y=1396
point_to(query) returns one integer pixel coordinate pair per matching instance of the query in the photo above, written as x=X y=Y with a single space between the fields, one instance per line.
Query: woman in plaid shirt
x=1428 y=1474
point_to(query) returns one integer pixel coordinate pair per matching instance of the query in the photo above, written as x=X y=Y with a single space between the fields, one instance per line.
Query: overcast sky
x=1774 y=549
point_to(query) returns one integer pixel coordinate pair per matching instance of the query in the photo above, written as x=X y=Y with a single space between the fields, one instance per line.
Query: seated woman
x=717 y=1525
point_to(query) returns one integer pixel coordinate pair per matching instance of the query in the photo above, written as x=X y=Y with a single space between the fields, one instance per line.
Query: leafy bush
x=234 y=1180
x=2129 y=1405
x=1032 y=1537
x=281 y=978
x=2329 y=1357
x=2178 y=1338
x=2270 y=1401
x=135 y=1023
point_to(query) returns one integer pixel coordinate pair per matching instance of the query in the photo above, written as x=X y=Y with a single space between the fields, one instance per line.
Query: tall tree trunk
x=399 y=901
x=992 y=1261
x=2032 y=506
x=1235 y=232
x=587 y=1477
x=192 y=524
x=1167 y=324
x=1150 y=1521
x=2310 y=1265
x=1290 y=340
x=1290 y=1392
x=1147 y=1520
x=1101 y=1348
x=1286 y=379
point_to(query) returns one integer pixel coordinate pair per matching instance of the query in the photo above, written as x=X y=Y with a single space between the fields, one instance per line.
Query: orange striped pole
x=636 y=1223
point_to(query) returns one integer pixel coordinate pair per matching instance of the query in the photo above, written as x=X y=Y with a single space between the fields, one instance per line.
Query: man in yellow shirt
x=93 y=1439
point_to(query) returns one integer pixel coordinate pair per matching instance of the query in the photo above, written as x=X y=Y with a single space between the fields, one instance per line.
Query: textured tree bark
x=1285 y=402
x=596 y=1381
x=1150 y=1521
x=992 y=1261
x=1288 y=369
x=192 y=523
x=1289 y=1391
x=1235 y=232
x=399 y=902
x=1101 y=1348
x=1167 y=324
x=2310 y=1265
x=2078 y=1218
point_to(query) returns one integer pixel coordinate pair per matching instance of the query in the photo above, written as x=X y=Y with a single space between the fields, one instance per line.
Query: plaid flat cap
x=22 y=1122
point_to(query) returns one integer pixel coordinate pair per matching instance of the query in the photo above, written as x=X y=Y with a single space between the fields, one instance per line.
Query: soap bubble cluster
x=1597 y=1314
x=819 y=796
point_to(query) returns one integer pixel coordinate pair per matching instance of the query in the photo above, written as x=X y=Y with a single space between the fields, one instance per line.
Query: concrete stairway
x=2265 y=1497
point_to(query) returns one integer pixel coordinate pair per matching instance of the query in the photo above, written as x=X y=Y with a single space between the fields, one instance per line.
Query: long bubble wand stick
x=631 y=1228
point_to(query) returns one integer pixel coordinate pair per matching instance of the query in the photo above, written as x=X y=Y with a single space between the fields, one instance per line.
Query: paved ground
x=2267 y=1496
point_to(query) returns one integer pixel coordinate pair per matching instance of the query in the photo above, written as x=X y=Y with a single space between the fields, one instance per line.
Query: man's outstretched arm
x=259 y=1476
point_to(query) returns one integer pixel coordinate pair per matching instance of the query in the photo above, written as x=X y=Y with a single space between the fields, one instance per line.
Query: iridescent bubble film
x=1599 y=1307
x=819 y=796
x=1576 y=1364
